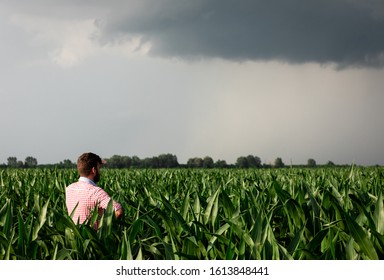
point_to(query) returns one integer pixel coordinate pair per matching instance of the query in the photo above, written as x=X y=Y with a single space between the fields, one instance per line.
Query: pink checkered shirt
x=87 y=195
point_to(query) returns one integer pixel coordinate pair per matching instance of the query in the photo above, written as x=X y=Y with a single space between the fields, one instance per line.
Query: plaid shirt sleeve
x=103 y=199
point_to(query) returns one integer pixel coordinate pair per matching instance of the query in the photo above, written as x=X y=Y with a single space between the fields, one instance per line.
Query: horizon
x=263 y=162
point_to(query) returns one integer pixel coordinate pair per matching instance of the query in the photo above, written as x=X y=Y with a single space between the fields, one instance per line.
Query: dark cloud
x=345 y=32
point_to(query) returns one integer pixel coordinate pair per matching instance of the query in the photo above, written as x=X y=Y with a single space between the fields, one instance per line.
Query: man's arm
x=119 y=213
x=103 y=198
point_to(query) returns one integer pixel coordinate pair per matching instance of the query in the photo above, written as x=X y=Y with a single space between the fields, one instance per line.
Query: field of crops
x=290 y=213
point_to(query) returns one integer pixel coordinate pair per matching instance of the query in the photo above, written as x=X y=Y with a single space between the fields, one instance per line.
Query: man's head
x=88 y=166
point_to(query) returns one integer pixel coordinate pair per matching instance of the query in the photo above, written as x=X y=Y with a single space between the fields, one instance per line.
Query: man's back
x=85 y=196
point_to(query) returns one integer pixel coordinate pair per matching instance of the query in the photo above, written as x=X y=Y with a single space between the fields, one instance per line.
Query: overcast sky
x=222 y=78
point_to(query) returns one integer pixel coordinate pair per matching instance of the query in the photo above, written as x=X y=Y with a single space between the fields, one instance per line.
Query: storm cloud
x=193 y=78
x=342 y=32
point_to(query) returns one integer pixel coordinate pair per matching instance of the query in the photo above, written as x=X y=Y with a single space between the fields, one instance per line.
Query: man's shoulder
x=82 y=185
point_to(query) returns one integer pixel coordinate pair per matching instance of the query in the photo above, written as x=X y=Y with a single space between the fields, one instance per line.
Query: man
x=85 y=195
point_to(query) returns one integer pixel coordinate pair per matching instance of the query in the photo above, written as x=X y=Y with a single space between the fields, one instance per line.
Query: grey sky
x=343 y=31
x=291 y=79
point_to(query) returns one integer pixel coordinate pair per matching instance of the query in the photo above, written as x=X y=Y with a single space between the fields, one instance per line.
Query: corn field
x=214 y=214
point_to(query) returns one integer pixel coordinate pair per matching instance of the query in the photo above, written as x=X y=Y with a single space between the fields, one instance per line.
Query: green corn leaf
x=227 y=204
x=230 y=252
x=242 y=233
x=43 y=214
x=135 y=229
x=215 y=210
x=40 y=221
x=361 y=238
x=54 y=257
x=8 y=218
x=106 y=220
x=9 y=250
x=316 y=241
x=176 y=214
x=197 y=207
x=295 y=242
x=350 y=251
x=208 y=209
x=1 y=179
x=379 y=214
x=220 y=231
x=3 y=213
x=286 y=255
x=64 y=254
x=281 y=193
x=22 y=238
x=139 y=255
x=126 y=253
x=185 y=206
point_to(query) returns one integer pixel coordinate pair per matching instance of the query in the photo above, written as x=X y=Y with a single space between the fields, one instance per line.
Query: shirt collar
x=85 y=179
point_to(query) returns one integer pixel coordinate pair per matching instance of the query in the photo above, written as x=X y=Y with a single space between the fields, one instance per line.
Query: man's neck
x=87 y=179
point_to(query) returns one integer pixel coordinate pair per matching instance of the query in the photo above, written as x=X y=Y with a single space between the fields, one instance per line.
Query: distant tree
x=12 y=162
x=152 y=162
x=221 y=164
x=190 y=162
x=126 y=161
x=267 y=165
x=30 y=162
x=195 y=162
x=253 y=161
x=67 y=163
x=198 y=162
x=115 y=162
x=311 y=162
x=242 y=162
x=208 y=162
x=167 y=161
x=258 y=162
x=330 y=163
x=249 y=161
x=278 y=163
x=136 y=162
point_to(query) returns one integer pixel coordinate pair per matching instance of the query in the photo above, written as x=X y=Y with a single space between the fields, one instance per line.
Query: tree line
x=162 y=161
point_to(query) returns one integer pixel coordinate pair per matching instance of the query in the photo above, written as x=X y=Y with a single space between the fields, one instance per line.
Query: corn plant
x=175 y=214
